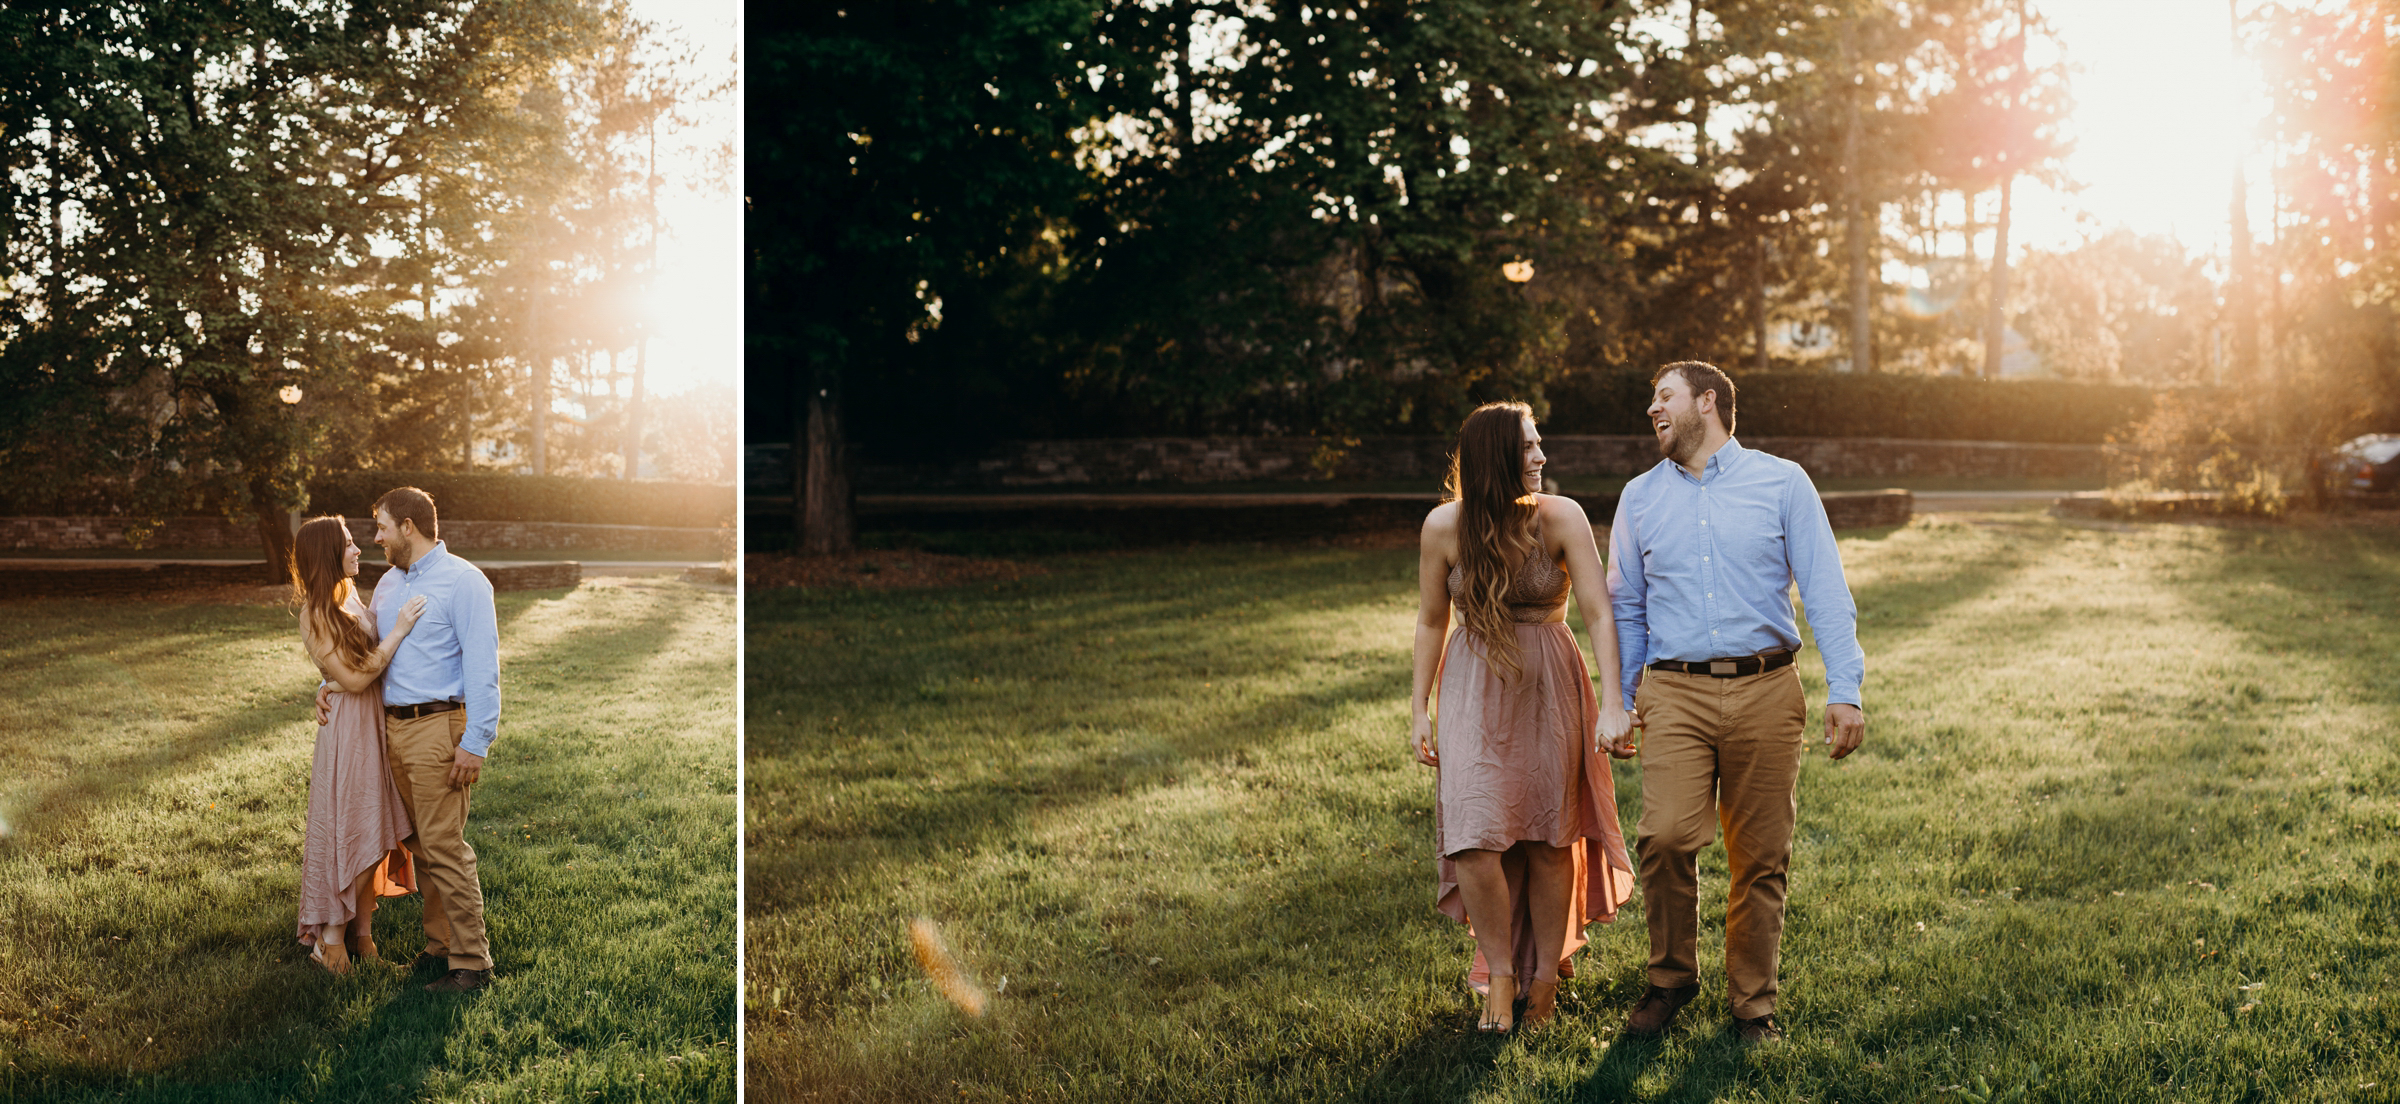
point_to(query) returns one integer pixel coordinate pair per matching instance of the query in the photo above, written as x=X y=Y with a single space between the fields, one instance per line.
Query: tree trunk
x=1758 y=303
x=1862 y=335
x=1995 y=318
x=2241 y=286
x=821 y=501
x=633 y=413
x=540 y=386
x=274 y=530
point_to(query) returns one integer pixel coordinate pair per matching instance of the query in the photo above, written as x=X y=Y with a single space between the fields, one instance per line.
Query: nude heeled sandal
x=334 y=957
x=1541 y=1001
x=1505 y=996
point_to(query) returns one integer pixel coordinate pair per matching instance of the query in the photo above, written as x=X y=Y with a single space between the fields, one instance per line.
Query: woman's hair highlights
x=1495 y=524
x=317 y=551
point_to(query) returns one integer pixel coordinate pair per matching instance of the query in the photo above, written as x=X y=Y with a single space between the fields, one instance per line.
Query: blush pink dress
x=1517 y=763
x=355 y=819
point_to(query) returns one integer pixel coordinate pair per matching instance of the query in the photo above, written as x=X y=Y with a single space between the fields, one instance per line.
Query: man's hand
x=1614 y=733
x=1845 y=726
x=464 y=767
x=324 y=703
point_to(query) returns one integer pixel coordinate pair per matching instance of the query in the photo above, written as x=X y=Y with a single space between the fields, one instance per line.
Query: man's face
x=1677 y=419
x=387 y=536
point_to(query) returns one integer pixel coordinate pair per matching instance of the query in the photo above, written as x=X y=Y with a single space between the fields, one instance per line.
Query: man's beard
x=1683 y=438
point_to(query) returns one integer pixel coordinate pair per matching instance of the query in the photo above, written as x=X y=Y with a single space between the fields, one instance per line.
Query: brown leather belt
x=421 y=709
x=1735 y=667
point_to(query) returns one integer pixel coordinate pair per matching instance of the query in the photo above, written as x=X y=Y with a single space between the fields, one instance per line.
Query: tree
x=895 y=148
x=199 y=297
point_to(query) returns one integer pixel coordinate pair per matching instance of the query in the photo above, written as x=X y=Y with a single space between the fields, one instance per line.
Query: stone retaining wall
x=66 y=534
x=1152 y=519
x=1169 y=460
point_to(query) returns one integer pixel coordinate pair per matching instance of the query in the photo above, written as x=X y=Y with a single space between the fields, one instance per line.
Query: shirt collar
x=432 y=555
x=1719 y=462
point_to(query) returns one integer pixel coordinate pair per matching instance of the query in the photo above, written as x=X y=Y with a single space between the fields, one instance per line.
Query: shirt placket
x=1709 y=616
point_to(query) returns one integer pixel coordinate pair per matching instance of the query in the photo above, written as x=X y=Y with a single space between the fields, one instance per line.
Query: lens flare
x=948 y=977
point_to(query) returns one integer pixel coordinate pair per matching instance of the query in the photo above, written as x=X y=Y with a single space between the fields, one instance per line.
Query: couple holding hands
x=1694 y=633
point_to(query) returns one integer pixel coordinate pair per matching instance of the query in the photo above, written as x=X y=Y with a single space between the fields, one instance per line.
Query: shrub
x=2253 y=458
x=490 y=496
x=1800 y=403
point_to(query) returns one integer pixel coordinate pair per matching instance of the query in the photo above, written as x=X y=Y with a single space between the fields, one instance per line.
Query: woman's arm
x=353 y=680
x=1437 y=546
x=1564 y=521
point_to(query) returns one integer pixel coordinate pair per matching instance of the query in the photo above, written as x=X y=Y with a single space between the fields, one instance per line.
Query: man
x=1704 y=549
x=442 y=704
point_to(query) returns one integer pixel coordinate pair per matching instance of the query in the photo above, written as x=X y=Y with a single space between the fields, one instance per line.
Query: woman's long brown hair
x=1495 y=524
x=317 y=571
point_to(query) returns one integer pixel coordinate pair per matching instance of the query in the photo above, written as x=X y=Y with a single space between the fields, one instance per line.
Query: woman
x=1526 y=813
x=355 y=820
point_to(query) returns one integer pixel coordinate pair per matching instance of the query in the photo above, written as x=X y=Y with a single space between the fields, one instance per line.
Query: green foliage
x=485 y=496
x=252 y=240
x=2142 y=848
x=1799 y=403
x=158 y=837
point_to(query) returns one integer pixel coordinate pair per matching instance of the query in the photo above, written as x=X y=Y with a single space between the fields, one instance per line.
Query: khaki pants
x=1719 y=752
x=420 y=750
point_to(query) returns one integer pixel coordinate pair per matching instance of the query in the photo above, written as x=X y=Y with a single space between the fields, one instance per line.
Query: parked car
x=2368 y=465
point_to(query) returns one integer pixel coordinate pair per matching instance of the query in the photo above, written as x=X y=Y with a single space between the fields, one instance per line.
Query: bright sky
x=2161 y=111
x=698 y=303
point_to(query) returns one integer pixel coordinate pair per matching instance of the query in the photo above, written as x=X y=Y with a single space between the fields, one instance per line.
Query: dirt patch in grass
x=879 y=569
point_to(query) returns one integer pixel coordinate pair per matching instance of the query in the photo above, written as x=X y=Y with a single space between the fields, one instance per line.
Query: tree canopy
x=1080 y=216
x=250 y=240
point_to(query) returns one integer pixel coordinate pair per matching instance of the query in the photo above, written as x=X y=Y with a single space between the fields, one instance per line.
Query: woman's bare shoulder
x=1442 y=518
x=1558 y=508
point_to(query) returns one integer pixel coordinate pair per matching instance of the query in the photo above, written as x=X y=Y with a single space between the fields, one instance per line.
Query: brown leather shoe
x=460 y=981
x=1657 y=1009
x=427 y=960
x=1760 y=1031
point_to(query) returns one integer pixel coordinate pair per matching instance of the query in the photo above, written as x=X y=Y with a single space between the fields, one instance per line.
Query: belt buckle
x=1723 y=667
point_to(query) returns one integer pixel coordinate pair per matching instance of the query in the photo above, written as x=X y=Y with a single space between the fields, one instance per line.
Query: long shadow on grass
x=2329 y=598
x=977 y=813
x=1924 y=598
x=100 y=784
x=387 y=1058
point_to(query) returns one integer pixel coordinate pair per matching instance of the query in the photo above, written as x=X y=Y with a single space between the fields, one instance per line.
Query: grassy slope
x=154 y=779
x=2124 y=829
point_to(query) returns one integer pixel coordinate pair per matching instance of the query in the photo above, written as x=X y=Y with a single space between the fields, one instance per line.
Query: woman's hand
x=408 y=616
x=1614 y=732
x=1420 y=740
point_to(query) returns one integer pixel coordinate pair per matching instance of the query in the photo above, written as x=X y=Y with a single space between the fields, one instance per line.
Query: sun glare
x=2162 y=110
x=696 y=307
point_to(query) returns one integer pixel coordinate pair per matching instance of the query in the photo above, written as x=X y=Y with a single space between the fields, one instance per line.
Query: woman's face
x=1533 y=457
x=349 y=556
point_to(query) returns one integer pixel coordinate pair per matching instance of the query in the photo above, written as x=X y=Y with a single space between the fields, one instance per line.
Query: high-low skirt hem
x=1518 y=765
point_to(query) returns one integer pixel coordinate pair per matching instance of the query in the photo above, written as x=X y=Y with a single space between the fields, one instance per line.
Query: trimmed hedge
x=491 y=496
x=1792 y=403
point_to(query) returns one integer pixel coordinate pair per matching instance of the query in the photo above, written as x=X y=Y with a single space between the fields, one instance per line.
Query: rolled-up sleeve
x=478 y=627
x=1824 y=591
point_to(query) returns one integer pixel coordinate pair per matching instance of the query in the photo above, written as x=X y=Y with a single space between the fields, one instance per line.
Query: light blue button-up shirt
x=453 y=654
x=1702 y=569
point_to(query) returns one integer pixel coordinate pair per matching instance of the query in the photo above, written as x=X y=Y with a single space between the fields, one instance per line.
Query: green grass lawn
x=2126 y=827
x=153 y=779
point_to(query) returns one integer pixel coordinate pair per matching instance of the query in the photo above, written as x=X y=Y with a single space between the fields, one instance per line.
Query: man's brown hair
x=1701 y=376
x=412 y=506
